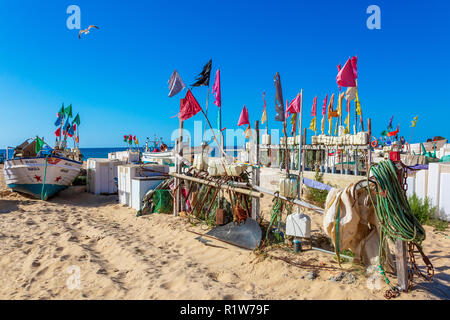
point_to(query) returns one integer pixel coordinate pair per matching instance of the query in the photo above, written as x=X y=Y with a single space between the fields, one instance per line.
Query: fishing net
x=162 y=201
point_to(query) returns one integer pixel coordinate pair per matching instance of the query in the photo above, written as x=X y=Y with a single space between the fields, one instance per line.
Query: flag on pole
x=294 y=124
x=414 y=122
x=339 y=108
x=58 y=132
x=346 y=76
x=203 y=77
x=394 y=133
x=77 y=119
x=347 y=120
x=39 y=144
x=389 y=127
x=313 y=125
x=60 y=113
x=264 y=115
x=350 y=94
x=324 y=113
x=176 y=84
x=279 y=103
x=294 y=106
x=68 y=111
x=243 y=118
x=58 y=122
x=77 y=139
x=314 y=107
x=189 y=107
x=216 y=90
x=354 y=66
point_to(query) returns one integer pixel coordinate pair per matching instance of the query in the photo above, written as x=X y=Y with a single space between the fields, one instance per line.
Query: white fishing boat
x=41 y=174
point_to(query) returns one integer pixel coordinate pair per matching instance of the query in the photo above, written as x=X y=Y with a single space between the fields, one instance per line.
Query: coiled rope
x=394 y=213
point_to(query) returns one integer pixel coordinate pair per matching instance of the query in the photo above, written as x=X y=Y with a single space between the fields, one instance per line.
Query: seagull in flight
x=86 y=31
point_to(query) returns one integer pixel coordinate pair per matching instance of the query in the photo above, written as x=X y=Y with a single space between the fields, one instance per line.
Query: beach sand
x=121 y=256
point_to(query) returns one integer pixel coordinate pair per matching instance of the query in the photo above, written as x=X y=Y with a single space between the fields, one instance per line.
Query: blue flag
x=58 y=122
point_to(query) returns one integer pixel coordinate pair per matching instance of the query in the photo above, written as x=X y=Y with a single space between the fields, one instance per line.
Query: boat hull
x=40 y=177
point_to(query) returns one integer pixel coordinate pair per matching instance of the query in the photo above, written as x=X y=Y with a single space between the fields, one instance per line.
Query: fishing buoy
x=163 y=147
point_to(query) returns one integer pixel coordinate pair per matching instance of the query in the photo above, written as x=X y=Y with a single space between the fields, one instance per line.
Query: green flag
x=77 y=119
x=68 y=111
x=39 y=144
x=61 y=111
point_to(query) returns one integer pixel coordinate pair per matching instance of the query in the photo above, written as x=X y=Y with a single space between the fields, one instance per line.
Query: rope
x=45 y=177
x=393 y=211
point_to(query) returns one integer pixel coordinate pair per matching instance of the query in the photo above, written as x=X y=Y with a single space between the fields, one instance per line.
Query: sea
x=103 y=152
x=90 y=152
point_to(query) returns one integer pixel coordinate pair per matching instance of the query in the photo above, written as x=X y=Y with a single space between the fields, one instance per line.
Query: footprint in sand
x=102 y=271
x=36 y=264
x=64 y=257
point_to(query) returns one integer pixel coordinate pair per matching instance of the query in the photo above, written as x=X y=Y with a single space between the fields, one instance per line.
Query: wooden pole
x=247 y=192
x=369 y=156
x=256 y=175
x=300 y=143
x=401 y=264
x=178 y=163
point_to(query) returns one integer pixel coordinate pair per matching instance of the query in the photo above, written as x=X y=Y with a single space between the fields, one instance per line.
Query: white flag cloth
x=350 y=94
x=176 y=84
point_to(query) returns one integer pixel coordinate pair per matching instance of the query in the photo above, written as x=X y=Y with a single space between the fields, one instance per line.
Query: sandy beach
x=121 y=256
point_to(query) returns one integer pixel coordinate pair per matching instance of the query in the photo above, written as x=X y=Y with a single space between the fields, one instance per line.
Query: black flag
x=279 y=104
x=203 y=77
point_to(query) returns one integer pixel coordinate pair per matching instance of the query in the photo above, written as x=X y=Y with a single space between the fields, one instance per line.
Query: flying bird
x=86 y=31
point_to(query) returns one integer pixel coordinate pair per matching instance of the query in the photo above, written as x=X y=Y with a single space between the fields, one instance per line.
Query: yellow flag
x=313 y=125
x=358 y=104
x=414 y=122
x=248 y=132
x=339 y=108
x=347 y=122
x=264 y=117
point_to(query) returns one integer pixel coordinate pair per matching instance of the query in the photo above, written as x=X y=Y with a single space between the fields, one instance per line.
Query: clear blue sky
x=116 y=77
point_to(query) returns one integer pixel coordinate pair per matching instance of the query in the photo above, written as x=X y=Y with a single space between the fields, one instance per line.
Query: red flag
x=346 y=76
x=216 y=90
x=243 y=118
x=77 y=139
x=74 y=127
x=189 y=107
x=294 y=106
x=58 y=132
x=314 y=108
x=134 y=138
x=324 y=107
x=394 y=133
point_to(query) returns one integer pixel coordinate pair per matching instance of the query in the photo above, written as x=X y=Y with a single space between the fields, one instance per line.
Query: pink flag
x=346 y=76
x=243 y=119
x=286 y=111
x=354 y=66
x=314 y=108
x=294 y=106
x=216 y=90
x=324 y=107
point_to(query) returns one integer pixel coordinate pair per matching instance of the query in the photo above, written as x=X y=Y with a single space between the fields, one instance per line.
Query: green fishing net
x=162 y=201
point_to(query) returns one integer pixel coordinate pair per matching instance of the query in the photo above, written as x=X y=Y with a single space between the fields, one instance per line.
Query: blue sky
x=116 y=77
